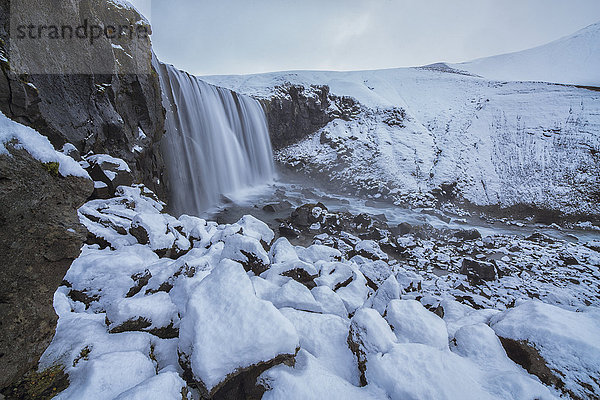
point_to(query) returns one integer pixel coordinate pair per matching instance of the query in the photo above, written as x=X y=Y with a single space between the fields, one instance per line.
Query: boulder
x=413 y=323
x=478 y=271
x=111 y=171
x=560 y=347
x=228 y=333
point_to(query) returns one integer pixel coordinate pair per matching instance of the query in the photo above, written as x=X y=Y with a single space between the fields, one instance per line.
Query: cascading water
x=216 y=141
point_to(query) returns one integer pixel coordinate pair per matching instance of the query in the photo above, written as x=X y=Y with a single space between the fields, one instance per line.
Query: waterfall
x=216 y=141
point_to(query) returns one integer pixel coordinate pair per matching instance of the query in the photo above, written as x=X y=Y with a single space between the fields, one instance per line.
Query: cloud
x=247 y=36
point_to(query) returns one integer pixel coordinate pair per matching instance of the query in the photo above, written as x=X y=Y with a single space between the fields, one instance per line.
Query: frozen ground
x=164 y=308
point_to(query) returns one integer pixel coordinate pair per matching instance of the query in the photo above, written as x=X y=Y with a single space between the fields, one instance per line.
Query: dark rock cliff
x=117 y=114
x=295 y=111
x=120 y=114
x=40 y=235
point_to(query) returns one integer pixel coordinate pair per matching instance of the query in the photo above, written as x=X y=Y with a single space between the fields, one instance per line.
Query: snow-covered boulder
x=388 y=291
x=370 y=249
x=330 y=302
x=310 y=379
x=286 y=264
x=369 y=334
x=560 y=347
x=417 y=371
x=295 y=295
x=164 y=386
x=162 y=232
x=479 y=343
x=154 y=313
x=247 y=251
x=325 y=336
x=228 y=330
x=107 y=376
x=112 y=172
x=412 y=323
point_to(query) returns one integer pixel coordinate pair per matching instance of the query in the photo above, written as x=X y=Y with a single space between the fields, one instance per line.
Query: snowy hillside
x=574 y=59
x=420 y=129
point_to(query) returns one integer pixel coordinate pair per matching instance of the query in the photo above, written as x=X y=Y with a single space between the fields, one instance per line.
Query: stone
x=40 y=235
x=478 y=271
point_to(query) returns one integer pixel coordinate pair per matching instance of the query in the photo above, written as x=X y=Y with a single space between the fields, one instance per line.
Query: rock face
x=120 y=115
x=40 y=235
x=295 y=111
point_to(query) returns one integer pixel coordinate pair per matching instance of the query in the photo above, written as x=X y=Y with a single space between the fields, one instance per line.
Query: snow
x=156 y=308
x=23 y=137
x=371 y=332
x=329 y=301
x=309 y=379
x=226 y=319
x=107 y=376
x=226 y=327
x=479 y=343
x=573 y=59
x=296 y=295
x=567 y=340
x=502 y=143
x=402 y=371
x=164 y=386
x=412 y=323
x=105 y=158
x=325 y=336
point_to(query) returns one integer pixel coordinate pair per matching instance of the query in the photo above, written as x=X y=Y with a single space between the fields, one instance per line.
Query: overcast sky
x=207 y=37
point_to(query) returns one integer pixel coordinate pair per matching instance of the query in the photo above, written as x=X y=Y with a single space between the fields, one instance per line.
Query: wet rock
x=288 y=231
x=278 y=207
x=308 y=214
x=468 y=234
x=478 y=271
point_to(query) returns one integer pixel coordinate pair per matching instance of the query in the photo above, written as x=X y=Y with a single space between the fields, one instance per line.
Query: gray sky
x=247 y=36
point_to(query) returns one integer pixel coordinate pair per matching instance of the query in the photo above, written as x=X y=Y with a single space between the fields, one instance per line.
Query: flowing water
x=216 y=141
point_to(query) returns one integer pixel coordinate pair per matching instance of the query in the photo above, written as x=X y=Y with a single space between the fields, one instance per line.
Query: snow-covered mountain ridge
x=573 y=59
x=498 y=143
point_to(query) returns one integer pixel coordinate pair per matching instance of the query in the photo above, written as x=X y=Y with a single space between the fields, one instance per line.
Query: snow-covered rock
x=107 y=376
x=227 y=329
x=325 y=336
x=412 y=323
x=155 y=311
x=561 y=347
x=164 y=386
x=309 y=379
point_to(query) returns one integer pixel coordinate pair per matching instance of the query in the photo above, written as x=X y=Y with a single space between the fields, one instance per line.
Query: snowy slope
x=574 y=59
x=500 y=143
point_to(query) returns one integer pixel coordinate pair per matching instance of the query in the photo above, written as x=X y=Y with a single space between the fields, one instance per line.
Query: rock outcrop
x=295 y=111
x=40 y=235
x=117 y=114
